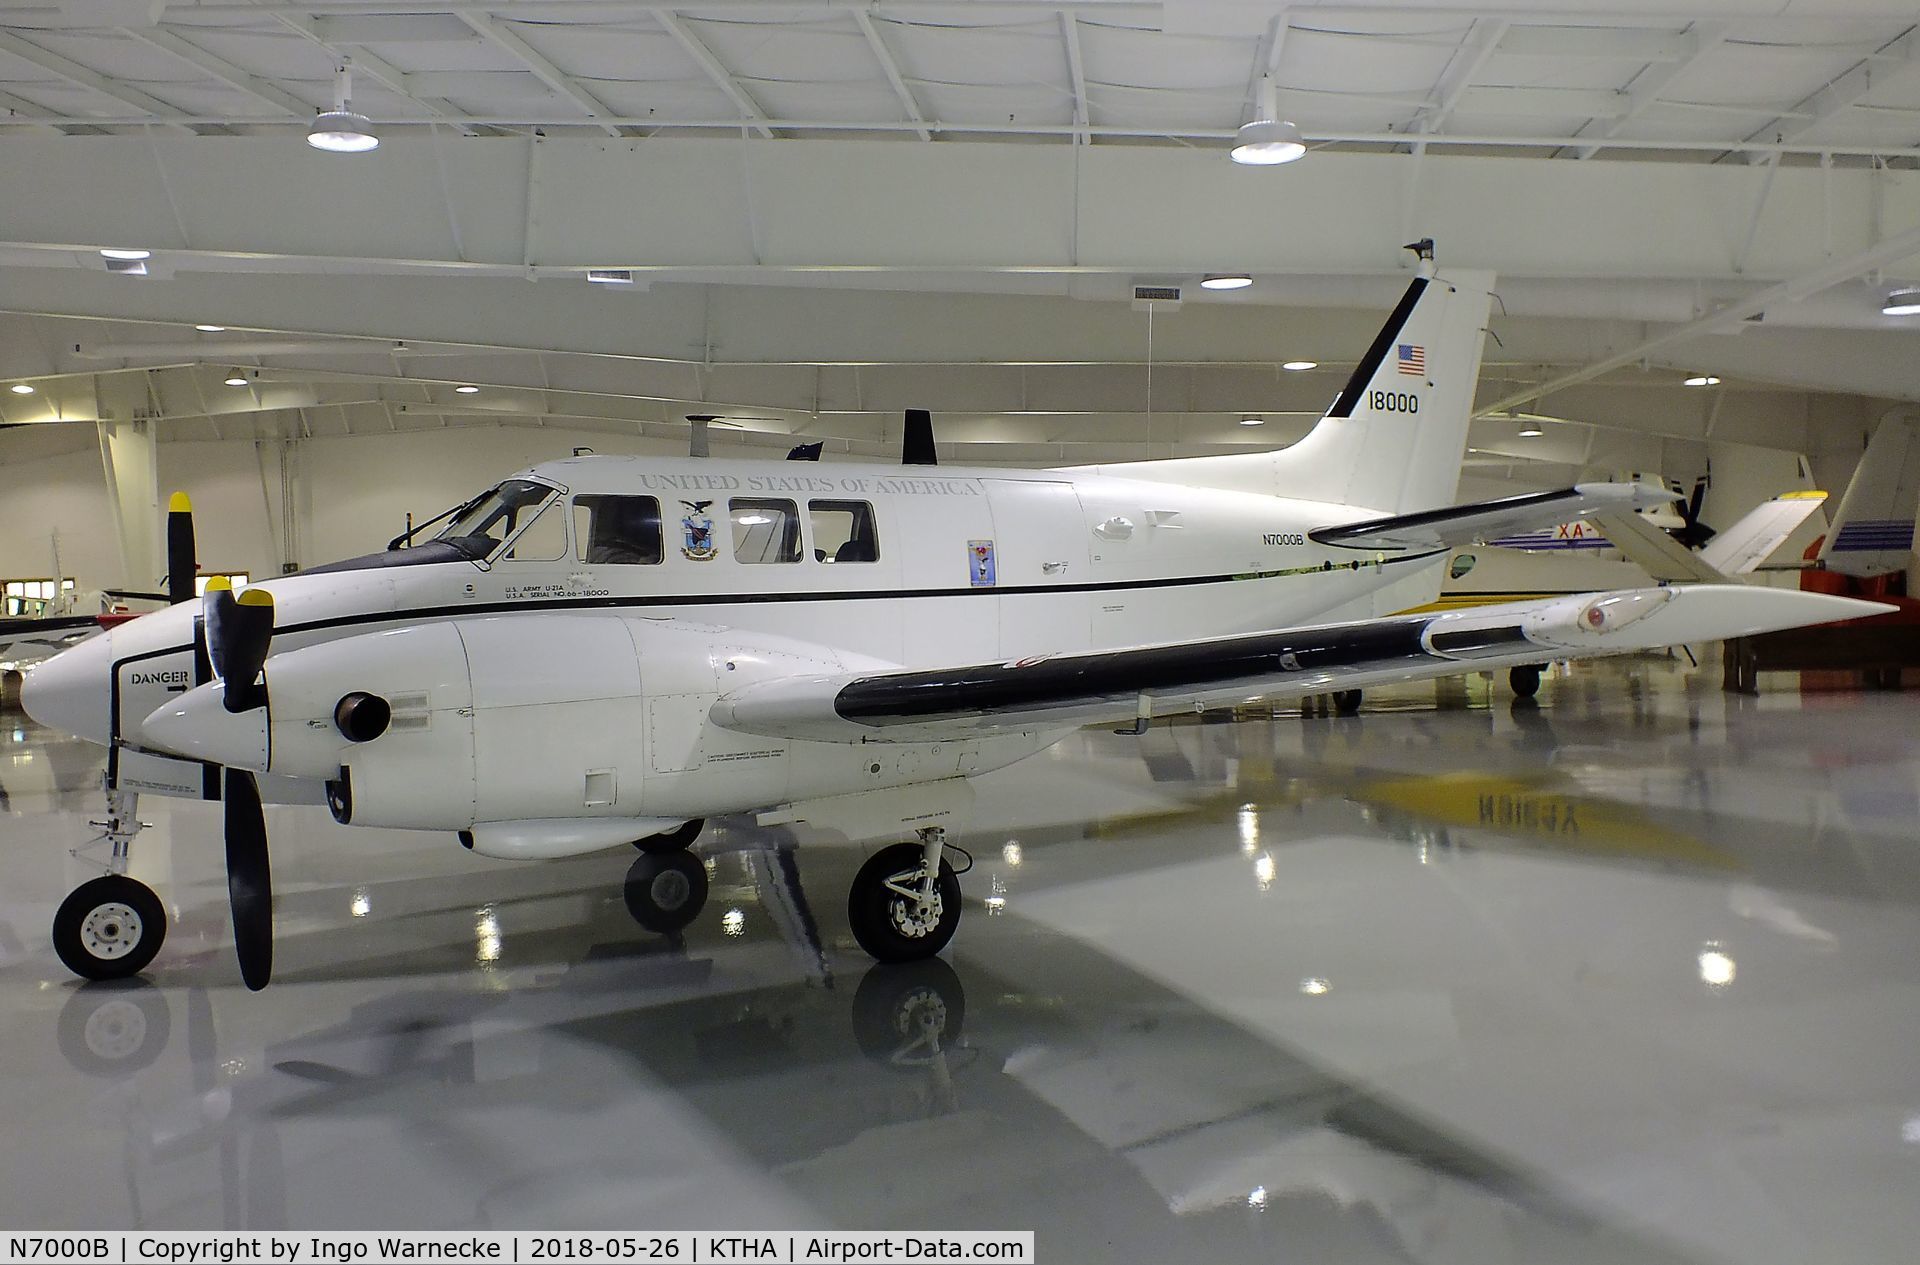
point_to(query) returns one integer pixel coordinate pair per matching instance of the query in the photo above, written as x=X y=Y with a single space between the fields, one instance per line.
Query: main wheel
x=109 y=928
x=673 y=840
x=1346 y=702
x=1525 y=680
x=883 y=906
x=666 y=890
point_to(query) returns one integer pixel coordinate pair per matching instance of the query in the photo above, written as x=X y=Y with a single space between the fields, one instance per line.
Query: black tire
x=666 y=890
x=114 y=1027
x=883 y=920
x=1346 y=702
x=900 y=1011
x=675 y=840
x=1525 y=680
x=109 y=928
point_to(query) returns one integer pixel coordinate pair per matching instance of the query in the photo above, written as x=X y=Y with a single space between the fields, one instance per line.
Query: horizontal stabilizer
x=1488 y=520
x=1068 y=690
x=1744 y=546
x=1656 y=552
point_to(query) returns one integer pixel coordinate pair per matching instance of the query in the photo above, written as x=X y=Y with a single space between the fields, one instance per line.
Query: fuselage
x=915 y=566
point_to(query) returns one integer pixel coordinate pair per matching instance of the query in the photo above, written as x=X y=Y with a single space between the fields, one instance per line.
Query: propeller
x=239 y=632
x=1693 y=533
x=182 y=566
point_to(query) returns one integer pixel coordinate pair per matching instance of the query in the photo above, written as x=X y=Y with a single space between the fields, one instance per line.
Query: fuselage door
x=1039 y=544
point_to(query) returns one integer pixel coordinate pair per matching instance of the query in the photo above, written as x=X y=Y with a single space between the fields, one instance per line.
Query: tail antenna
x=1423 y=249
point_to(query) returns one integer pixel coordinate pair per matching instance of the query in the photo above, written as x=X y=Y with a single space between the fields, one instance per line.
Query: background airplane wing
x=1657 y=553
x=1489 y=520
x=1068 y=690
x=1749 y=542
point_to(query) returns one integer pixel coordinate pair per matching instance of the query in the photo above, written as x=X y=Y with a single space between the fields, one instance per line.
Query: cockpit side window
x=485 y=526
x=765 y=529
x=617 y=530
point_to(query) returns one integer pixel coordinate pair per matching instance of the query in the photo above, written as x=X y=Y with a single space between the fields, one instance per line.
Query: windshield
x=496 y=516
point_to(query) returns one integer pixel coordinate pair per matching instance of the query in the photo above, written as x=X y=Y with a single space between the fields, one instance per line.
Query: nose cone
x=198 y=725
x=72 y=691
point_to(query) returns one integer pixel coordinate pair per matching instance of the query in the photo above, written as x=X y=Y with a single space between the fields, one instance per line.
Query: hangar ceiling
x=833 y=211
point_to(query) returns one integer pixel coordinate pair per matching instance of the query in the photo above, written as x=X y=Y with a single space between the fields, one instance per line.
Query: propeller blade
x=239 y=633
x=182 y=566
x=916 y=447
x=249 y=878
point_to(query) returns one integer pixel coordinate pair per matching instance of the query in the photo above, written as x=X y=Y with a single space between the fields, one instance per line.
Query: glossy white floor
x=1633 y=976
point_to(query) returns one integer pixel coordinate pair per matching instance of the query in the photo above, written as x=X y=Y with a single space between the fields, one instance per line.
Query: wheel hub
x=670 y=890
x=909 y=915
x=110 y=931
x=116 y=1030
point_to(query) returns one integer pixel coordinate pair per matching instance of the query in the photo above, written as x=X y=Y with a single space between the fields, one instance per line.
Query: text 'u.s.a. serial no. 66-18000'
x=607 y=650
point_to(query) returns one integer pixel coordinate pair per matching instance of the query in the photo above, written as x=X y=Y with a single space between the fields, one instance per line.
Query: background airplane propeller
x=182 y=565
x=239 y=632
x=1692 y=533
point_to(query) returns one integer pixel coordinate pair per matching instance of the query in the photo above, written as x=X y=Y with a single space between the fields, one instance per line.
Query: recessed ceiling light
x=610 y=276
x=236 y=381
x=468 y=390
x=1225 y=281
x=1702 y=380
x=1531 y=431
x=211 y=329
x=1253 y=421
x=1905 y=302
x=21 y=388
x=1295 y=366
x=124 y=252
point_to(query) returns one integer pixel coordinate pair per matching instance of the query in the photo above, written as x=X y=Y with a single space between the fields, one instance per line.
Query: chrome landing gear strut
x=112 y=926
x=905 y=901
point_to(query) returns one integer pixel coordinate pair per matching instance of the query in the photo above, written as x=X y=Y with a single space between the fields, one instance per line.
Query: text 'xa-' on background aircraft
x=609 y=650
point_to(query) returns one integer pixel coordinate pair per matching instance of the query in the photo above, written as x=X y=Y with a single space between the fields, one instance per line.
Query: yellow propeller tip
x=218 y=584
x=179 y=504
x=256 y=597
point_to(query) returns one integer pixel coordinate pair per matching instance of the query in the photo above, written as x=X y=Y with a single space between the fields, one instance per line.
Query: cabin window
x=485 y=525
x=843 y=531
x=34 y=597
x=765 y=529
x=617 y=530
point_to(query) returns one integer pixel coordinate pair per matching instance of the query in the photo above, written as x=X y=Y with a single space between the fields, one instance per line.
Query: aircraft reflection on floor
x=1073 y=1074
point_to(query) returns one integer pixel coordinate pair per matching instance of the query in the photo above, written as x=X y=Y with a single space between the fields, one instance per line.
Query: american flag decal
x=1413 y=360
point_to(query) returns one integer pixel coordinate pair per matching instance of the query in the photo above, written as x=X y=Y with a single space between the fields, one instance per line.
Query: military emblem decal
x=696 y=532
x=980 y=563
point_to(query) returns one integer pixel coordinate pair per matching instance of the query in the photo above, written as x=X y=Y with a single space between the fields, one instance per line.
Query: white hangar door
x=1040 y=566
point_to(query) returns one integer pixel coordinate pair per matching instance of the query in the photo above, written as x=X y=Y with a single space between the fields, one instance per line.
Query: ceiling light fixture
x=1903 y=302
x=341 y=130
x=21 y=388
x=236 y=379
x=1225 y=281
x=468 y=390
x=1269 y=139
x=1531 y=431
x=610 y=276
x=1296 y=366
x=1702 y=380
x=1250 y=420
x=124 y=252
x=211 y=329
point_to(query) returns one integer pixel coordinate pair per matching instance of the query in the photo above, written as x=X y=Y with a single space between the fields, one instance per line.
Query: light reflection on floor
x=1629 y=976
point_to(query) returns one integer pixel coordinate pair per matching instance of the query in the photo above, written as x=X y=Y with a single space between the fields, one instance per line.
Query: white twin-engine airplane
x=609 y=650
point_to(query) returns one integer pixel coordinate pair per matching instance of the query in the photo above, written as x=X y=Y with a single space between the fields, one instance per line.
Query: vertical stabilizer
x=1394 y=439
x=1873 y=528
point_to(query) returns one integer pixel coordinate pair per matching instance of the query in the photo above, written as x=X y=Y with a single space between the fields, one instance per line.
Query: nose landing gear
x=112 y=926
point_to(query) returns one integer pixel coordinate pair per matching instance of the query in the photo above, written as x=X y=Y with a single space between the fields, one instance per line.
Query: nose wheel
x=898 y=912
x=109 y=928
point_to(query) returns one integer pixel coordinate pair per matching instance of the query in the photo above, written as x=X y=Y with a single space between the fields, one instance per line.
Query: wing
x=1068 y=690
x=1745 y=545
x=1655 y=552
x=1487 y=520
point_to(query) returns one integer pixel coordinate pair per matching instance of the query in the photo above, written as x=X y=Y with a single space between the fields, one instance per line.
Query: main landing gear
x=666 y=886
x=905 y=901
x=112 y=926
x=1525 y=680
